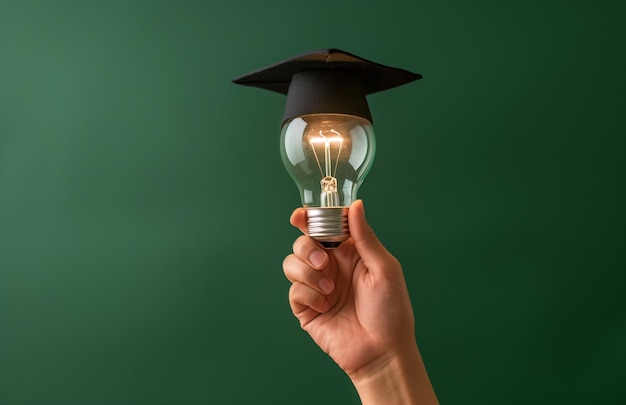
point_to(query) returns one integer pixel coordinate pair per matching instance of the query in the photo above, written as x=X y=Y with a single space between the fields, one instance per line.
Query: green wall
x=144 y=207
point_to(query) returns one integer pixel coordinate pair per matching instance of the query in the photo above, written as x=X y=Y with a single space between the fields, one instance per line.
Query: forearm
x=398 y=380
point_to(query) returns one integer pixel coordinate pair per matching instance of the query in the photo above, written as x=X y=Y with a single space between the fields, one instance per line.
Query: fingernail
x=327 y=286
x=317 y=258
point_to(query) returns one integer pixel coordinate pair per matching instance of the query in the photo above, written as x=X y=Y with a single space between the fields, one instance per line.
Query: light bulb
x=328 y=156
x=327 y=140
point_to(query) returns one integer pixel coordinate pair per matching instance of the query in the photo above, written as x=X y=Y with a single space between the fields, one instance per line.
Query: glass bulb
x=328 y=156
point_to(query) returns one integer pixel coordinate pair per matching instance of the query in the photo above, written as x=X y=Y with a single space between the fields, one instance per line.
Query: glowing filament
x=330 y=197
x=327 y=140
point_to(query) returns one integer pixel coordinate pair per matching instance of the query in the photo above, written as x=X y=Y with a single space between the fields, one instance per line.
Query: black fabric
x=327 y=81
x=326 y=91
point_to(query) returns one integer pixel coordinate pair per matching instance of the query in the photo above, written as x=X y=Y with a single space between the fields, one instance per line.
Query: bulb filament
x=330 y=196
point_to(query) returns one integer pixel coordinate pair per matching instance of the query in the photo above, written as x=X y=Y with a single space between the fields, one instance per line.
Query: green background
x=144 y=207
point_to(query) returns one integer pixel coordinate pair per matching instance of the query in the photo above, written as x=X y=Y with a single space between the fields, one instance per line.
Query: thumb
x=298 y=219
x=372 y=252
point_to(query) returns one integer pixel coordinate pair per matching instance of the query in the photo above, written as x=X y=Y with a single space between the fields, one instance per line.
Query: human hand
x=354 y=303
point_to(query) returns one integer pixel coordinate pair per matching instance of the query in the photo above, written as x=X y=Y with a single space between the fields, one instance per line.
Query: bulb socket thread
x=328 y=225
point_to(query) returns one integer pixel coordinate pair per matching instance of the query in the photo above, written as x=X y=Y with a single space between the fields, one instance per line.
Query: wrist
x=397 y=378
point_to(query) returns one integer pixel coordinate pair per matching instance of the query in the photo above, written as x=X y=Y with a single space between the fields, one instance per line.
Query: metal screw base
x=328 y=225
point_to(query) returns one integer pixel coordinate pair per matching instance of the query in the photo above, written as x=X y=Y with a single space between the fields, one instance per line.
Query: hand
x=354 y=303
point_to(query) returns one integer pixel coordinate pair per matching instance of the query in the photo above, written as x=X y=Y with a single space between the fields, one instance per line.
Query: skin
x=354 y=303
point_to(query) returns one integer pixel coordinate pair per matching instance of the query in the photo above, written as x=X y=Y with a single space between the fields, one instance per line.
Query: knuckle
x=302 y=246
x=293 y=293
x=299 y=242
x=286 y=261
x=288 y=266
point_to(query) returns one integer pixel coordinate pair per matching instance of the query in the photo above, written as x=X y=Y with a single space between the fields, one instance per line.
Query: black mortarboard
x=327 y=81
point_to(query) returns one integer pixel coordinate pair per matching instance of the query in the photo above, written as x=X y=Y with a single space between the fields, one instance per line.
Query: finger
x=307 y=250
x=298 y=271
x=298 y=219
x=370 y=249
x=302 y=298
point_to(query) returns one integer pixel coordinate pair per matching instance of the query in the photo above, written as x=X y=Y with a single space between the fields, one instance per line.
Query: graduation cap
x=327 y=81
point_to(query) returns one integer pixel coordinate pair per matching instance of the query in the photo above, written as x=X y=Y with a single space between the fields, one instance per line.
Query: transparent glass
x=328 y=156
